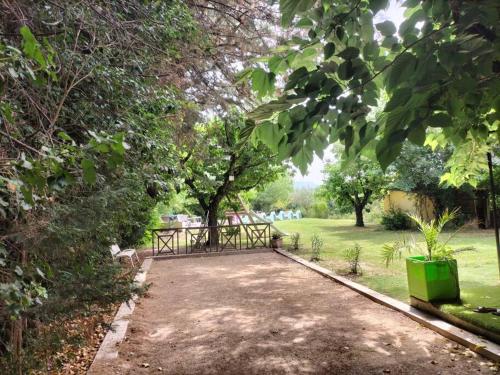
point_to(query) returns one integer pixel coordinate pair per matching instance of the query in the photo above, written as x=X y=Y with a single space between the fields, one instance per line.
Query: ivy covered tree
x=86 y=124
x=440 y=69
x=354 y=185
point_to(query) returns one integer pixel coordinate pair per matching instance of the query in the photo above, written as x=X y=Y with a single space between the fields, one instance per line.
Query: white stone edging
x=115 y=335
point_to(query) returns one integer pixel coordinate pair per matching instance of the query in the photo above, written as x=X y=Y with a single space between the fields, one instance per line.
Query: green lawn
x=478 y=270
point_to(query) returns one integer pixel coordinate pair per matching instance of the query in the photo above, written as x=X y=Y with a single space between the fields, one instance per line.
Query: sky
x=314 y=176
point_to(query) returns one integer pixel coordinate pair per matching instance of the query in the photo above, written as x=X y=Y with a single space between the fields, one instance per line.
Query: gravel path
x=264 y=314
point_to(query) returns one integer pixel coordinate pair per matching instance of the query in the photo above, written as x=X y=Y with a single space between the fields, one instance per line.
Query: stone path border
x=474 y=342
x=109 y=346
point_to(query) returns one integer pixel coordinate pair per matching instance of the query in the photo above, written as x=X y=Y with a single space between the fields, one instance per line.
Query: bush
x=294 y=242
x=318 y=210
x=396 y=220
x=316 y=247
x=352 y=256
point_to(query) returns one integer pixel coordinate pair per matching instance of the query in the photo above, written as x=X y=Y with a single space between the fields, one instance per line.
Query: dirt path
x=264 y=314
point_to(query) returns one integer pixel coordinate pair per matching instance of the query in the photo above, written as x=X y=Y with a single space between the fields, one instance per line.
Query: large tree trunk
x=213 y=210
x=359 y=216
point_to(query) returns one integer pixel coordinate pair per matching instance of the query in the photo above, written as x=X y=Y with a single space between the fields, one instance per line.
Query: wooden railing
x=191 y=240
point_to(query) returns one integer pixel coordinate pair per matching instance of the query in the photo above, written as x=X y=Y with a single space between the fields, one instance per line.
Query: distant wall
x=409 y=203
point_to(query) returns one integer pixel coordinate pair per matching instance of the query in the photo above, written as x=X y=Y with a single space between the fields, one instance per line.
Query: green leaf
x=376 y=5
x=304 y=23
x=403 y=67
x=388 y=149
x=339 y=32
x=371 y=51
x=269 y=133
x=370 y=97
x=262 y=82
x=289 y=8
x=244 y=74
x=89 y=172
x=295 y=77
x=277 y=64
x=266 y=111
x=348 y=138
x=366 y=21
x=302 y=159
x=349 y=53
x=6 y=111
x=329 y=50
x=439 y=120
x=64 y=136
x=417 y=133
x=386 y=28
x=31 y=47
x=345 y=70
x=390 y=42
x=398 y=99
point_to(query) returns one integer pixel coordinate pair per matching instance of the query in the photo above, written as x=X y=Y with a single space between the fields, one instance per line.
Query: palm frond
x=393 y=251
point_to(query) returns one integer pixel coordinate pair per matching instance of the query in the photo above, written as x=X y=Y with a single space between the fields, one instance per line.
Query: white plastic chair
x=116 y=253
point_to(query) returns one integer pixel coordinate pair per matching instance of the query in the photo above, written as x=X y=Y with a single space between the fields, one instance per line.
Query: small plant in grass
x=352 y=256
x=294 y=242
x=316 y=247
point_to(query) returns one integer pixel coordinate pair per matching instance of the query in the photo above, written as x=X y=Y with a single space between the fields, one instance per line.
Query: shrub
x=396 y=220
x=294 y=242
x=276 y=236
x=352 y=256
x=316 y=247
x=318 y=210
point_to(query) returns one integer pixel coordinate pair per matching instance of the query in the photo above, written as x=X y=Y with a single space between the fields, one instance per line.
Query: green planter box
x=432 y=280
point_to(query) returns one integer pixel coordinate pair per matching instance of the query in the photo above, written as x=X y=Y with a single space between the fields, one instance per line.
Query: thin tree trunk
x=16 y=342
x=359 y=216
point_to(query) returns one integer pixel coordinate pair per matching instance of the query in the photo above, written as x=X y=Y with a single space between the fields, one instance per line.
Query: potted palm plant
x=433 y=276
x=276 y=240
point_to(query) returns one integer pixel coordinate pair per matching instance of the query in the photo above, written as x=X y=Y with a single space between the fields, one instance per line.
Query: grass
x=478 y=270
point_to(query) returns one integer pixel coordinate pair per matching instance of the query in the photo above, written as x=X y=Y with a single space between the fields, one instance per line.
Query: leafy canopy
x=215 y=165
x=440 y=69
x=354 y=185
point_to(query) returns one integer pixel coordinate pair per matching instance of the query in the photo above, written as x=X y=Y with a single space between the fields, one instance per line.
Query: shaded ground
x=264 y=314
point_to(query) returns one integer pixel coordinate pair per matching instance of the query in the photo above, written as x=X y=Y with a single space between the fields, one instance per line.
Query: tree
x=440 y=70
x=419 y=169
x=235 y=33
x=303 y=199
x=275 y=196
x=353 y=186
x=216 y=165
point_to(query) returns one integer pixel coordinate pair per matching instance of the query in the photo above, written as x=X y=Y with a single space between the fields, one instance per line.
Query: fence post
x=153 y=241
